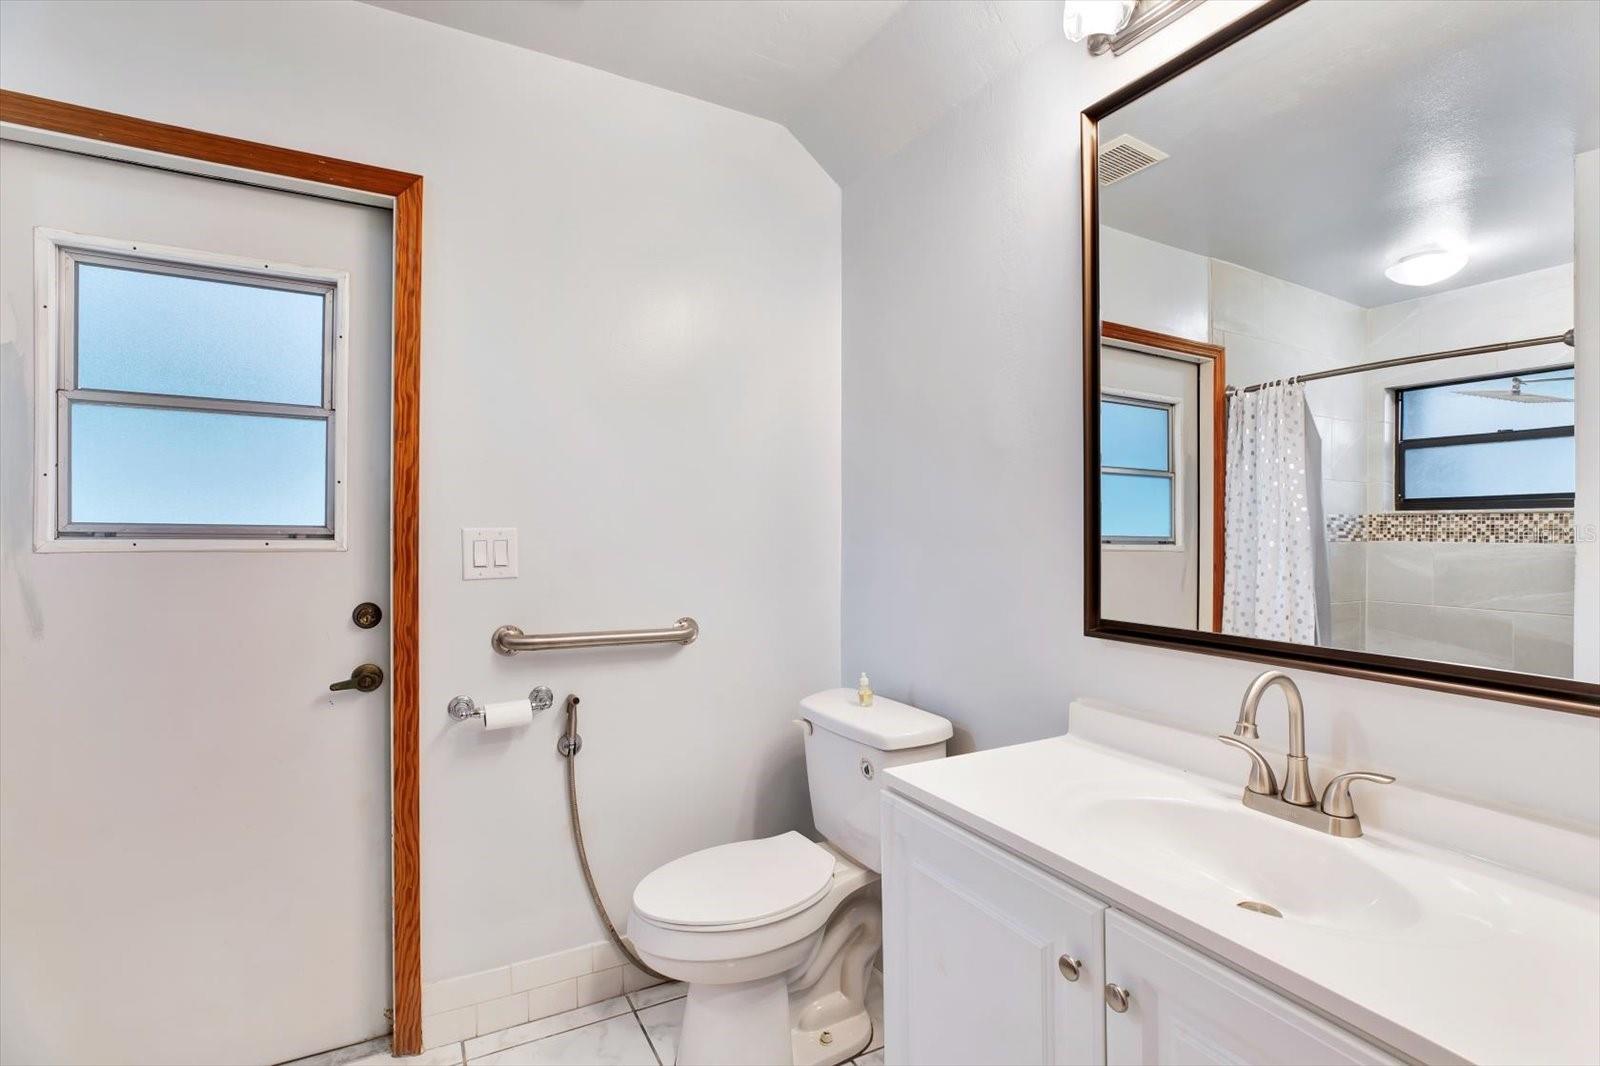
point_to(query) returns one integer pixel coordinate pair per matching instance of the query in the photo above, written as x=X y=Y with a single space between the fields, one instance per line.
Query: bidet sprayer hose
x=569 y=749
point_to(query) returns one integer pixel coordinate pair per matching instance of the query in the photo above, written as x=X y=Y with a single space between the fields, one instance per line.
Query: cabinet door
x=1184 y=1008
x=972 y=943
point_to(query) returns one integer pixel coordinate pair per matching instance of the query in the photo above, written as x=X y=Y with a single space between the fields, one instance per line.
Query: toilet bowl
x=776 y=937
x=785 y=964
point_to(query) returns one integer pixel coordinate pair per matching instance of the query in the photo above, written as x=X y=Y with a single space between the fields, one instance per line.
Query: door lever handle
x=363 y=678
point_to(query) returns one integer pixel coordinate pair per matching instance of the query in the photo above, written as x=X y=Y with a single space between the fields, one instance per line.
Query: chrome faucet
x=1296 y=802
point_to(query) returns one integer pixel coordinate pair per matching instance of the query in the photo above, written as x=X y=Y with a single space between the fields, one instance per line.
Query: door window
x=1138 y=485
x=195 y=397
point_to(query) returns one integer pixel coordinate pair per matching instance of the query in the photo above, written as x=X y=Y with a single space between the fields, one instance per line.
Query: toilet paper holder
x=464 y=708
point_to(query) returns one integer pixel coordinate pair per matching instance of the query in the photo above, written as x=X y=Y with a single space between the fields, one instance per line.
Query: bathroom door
x=194 y=829
x=1154 y=575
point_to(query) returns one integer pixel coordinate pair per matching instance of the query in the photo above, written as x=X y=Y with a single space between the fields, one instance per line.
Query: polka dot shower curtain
x=1273 y=517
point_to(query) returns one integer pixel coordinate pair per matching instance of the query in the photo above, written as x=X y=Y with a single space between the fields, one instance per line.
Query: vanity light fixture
x=1117 y=25
x=1427 y=267
x=1094 y=18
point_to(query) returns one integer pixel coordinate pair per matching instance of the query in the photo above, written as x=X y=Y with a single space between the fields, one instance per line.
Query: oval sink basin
x=1243 y=857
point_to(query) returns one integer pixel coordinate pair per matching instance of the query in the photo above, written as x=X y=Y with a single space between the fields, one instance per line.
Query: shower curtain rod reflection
x=1428 y=357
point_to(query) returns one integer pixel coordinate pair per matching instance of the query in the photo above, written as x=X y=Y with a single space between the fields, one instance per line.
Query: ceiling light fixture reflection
x=1426 y=268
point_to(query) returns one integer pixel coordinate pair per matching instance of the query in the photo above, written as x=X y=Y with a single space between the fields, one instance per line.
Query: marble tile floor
x=637 y=1029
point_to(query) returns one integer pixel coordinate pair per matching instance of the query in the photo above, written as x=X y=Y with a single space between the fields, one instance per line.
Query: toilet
x=776 y=937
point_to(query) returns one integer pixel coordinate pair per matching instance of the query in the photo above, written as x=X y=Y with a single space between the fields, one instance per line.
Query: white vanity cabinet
x=980 y=949
x=1185 y=1008
x=973 y=947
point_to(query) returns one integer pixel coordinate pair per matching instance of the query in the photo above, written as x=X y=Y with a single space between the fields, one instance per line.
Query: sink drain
x=1260 y=908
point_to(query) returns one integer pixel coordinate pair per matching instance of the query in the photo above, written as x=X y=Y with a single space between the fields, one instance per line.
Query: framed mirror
x=1342 y=347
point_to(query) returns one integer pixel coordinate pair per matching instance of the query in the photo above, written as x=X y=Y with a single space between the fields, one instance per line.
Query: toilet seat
x=736 y=946
x=743 y=885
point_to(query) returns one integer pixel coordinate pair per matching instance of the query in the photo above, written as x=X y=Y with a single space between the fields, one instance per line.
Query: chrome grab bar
x=508 y=640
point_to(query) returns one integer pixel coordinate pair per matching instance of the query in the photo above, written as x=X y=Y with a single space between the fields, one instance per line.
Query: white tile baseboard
x=477 y=1004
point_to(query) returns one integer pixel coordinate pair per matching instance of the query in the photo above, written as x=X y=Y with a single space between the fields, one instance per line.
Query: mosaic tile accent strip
x=1346 y=527
x=1462 y=527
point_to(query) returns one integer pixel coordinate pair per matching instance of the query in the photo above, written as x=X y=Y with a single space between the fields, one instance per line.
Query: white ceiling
x=1345 y=135
x=765 y=58
x=852 y=79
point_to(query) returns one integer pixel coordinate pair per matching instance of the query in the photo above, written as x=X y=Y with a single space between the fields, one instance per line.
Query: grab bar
x=508 y=640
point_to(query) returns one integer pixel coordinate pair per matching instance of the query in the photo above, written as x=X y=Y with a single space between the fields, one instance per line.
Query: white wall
x=963 y=468
x=631 y=338
x=1155 y=286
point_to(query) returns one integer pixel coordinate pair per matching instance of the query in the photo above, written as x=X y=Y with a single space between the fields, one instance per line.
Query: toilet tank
x=848 y=747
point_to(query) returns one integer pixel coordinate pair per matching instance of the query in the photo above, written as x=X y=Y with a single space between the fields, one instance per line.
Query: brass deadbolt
x=366 y=615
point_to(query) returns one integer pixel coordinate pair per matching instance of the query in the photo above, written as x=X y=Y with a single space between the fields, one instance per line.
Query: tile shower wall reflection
x=1489 y=589
x=1406 y=584
x=1507 y=606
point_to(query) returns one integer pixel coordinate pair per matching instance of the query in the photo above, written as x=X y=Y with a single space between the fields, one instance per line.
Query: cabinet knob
x=1117 y=998
x=1069 y=967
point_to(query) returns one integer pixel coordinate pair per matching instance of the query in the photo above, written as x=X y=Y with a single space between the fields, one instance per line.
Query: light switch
x=487 y=554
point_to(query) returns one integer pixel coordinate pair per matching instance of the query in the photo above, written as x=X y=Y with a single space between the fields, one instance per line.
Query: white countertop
x=1481 y=963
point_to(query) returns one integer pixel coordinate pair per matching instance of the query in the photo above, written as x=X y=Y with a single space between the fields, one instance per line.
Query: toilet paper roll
x=509 y=714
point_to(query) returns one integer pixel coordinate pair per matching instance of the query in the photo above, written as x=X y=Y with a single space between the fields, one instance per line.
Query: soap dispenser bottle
x=864 y=691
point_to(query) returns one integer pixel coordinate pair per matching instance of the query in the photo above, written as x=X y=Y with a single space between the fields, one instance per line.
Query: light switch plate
x=488 y=553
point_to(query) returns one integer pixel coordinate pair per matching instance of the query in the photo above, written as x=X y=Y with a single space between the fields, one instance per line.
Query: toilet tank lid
x=887 y=725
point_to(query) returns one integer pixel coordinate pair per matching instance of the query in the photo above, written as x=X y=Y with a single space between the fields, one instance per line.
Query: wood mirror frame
x=1562 y=694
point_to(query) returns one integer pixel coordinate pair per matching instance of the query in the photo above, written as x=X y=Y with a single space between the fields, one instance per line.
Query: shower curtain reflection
x=1276 y=577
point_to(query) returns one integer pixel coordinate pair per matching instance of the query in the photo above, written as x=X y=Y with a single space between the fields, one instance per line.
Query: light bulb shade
x=1426 y=268
x=1085 y=18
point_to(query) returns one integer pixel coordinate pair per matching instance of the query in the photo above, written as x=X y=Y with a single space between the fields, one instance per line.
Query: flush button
x=866 y=770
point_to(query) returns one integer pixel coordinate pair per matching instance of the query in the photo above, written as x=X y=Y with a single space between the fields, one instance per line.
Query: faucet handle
x=1336 y=797
x=1262 y=780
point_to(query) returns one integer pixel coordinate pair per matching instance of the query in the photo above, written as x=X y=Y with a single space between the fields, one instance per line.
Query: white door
x=193 y=830
x=985 y=958
x=1185 y=1009
x=1150 y=418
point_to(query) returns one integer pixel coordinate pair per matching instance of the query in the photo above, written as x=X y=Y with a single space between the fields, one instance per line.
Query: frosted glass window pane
x=159 y=333
x=135 y=465
x=1501 y=468
x=1134 y=437
x=1490 y=405
x=1135 y=506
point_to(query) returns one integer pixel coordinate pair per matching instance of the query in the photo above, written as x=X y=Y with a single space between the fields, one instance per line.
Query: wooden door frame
x=1218 y=357
x=89 y=131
